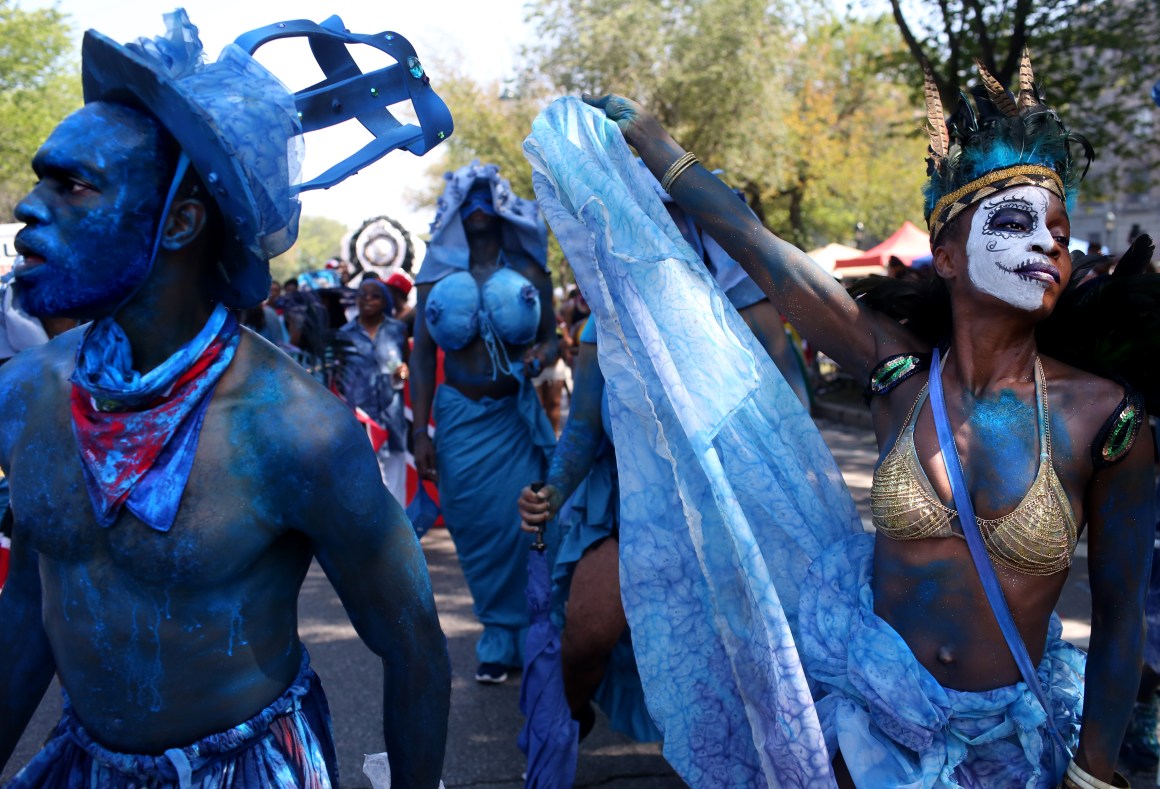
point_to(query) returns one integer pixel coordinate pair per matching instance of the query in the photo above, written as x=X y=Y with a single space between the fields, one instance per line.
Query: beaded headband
x=951 y=205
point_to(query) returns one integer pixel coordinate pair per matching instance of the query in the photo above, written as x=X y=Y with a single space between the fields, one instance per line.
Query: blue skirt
x=288 y=744
x=486 y=451
x=590 y=515
x=894 y=724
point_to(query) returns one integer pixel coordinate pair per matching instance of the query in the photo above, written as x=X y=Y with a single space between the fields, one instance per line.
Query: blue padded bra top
x=506 y=308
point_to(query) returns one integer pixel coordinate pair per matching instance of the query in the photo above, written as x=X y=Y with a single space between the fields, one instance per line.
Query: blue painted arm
x=816 y=304
x=576 y=450
x=1121 y=527
x=369 y=552
x=26 y=663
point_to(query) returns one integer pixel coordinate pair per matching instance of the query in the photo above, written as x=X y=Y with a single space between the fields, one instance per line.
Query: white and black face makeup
x=1009 y=246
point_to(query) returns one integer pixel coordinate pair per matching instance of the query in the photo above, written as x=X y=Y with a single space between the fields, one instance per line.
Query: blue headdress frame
x=241 y=129
x=524 y=232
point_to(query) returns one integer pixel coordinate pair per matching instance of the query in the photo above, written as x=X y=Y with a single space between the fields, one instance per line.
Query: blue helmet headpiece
x=524 y=232
x=241 y=129
x=1005 y=139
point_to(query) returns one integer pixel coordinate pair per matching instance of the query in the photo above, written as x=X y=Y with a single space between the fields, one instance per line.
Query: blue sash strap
x=986 y=570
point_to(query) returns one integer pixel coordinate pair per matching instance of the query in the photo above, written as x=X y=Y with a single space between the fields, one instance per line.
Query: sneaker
x=491 y=674
x=1140 y=749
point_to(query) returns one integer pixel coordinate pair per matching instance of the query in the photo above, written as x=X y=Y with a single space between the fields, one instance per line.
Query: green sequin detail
x=1122 y=435
x=891 y=372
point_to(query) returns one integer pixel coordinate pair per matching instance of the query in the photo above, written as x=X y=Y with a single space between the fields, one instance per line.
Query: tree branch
x=986 y=45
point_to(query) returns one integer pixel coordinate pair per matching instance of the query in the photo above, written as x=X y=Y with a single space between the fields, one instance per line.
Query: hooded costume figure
x=486 y=449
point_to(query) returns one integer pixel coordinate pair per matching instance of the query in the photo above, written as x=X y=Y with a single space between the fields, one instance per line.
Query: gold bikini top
x=1036 y=538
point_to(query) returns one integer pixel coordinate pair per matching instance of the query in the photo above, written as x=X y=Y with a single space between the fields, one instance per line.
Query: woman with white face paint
x=935 y=643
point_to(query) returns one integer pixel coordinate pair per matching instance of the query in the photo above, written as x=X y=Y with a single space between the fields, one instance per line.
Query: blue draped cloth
x=727 y=490
x=893 y=722
x=590 y=516
x=486 y=451
x=287 y=744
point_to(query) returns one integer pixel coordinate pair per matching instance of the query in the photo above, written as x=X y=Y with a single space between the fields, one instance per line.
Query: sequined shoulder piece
x=892 y=371
x=1119 y=432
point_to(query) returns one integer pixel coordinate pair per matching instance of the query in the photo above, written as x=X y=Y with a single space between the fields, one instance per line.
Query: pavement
x=485 y=720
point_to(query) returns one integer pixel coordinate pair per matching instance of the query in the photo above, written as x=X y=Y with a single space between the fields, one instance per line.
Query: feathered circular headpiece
x=1004 y=140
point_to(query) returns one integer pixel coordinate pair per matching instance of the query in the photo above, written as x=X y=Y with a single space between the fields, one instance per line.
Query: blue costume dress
x=744 y=569
x=487 y=450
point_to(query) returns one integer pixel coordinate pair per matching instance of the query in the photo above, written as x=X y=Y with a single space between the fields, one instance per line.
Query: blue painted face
x=92 y=217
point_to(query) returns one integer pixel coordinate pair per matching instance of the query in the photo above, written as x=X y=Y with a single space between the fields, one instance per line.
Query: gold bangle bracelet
x=677 y=169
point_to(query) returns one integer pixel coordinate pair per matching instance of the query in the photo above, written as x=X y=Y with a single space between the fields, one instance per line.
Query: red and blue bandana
x=138 y=433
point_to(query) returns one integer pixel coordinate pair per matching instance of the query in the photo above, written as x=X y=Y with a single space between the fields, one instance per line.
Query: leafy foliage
x=491 y=122
x=39 y=86
x=1095 y=61
x=319 y=240
x=786 y=100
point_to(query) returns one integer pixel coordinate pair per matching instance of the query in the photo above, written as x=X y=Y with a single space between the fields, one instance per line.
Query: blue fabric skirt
x=288 y=744
x=894 y=724
x=589 y=516
x=486 y=451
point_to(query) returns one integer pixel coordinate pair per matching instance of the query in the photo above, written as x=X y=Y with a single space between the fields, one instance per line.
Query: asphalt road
x=481 y=747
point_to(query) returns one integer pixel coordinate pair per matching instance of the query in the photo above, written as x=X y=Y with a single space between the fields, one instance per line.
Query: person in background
x=372 y=373
x=267 y=324
x=485 y=298
x=400 y=286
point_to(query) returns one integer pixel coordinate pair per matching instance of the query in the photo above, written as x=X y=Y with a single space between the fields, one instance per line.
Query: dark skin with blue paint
x=596 y=616
x=469 y=369
x=164 y=638
x=991 y=365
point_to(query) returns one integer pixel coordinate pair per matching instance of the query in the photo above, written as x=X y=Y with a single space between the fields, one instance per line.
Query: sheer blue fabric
x=591 y=515
x=894 y=724
x=727 y=489
x=287 y=744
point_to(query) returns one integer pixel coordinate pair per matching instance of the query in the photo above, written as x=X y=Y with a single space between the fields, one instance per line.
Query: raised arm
x=424 y=358
x=816 y=304
x=26 y=662
x=576 y=449
x=1121 y=527
x=547 y=346
x=367 y=548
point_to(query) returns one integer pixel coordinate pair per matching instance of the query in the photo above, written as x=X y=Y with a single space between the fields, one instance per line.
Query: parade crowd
x=680 y=551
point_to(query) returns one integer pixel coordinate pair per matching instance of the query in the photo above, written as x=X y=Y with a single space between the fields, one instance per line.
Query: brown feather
x=999 y=95
x=940 y=139
x=1027 y=97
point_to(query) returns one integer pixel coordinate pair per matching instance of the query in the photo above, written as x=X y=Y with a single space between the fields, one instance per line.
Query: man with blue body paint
x=164 y=518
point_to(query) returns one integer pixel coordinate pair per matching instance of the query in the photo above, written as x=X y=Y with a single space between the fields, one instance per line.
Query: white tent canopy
x=828 y=255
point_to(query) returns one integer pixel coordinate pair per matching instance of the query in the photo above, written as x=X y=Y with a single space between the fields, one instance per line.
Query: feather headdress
x=998 y=140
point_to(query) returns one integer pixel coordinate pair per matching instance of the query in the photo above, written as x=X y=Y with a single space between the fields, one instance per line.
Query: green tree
x=1096 y=62
x=319 y=240
x=39 y=86
x=491 y=122
x=785 y=98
